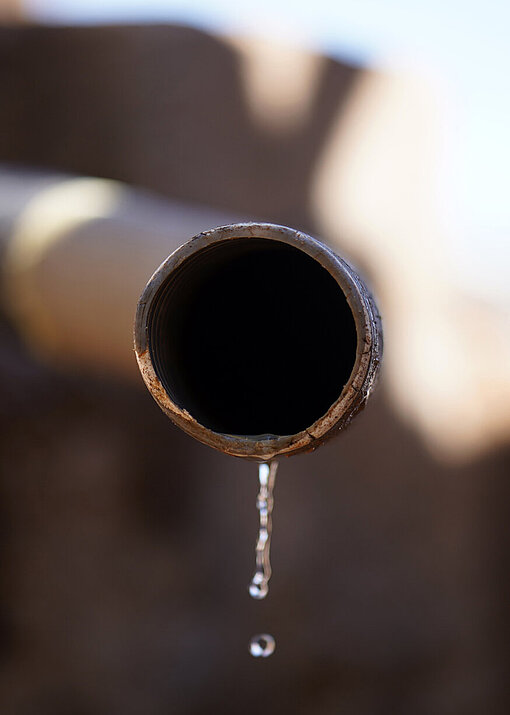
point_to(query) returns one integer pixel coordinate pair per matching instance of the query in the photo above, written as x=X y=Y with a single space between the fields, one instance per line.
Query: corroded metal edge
x=357 y=389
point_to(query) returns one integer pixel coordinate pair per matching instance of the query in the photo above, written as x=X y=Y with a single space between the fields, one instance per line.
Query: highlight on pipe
x=258 y=340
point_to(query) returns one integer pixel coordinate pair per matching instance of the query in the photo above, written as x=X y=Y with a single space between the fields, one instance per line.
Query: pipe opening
x=252 y=337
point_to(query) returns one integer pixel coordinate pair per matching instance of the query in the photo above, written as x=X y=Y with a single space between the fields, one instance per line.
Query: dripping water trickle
x=259 y=585
x=264 y=644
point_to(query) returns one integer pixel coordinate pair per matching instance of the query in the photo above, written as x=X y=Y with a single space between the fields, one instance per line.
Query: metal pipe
x=258 y=340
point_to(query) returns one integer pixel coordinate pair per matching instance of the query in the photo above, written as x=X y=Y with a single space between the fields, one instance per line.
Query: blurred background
x=126 y=547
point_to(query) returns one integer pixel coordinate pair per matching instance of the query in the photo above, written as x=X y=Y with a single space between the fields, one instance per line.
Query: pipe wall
x=77 y=252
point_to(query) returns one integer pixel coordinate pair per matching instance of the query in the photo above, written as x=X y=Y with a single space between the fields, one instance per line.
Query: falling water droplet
x=262 y=645
x=259 y=585
x=258 y=588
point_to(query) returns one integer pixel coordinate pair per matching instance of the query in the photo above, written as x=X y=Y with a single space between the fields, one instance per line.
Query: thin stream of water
x=259 y=585
x=263 y=645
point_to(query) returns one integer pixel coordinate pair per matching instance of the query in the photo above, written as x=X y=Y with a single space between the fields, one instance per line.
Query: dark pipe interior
x=252 y=337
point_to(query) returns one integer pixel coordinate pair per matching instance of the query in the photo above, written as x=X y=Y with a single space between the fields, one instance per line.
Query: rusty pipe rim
x=356 y=390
